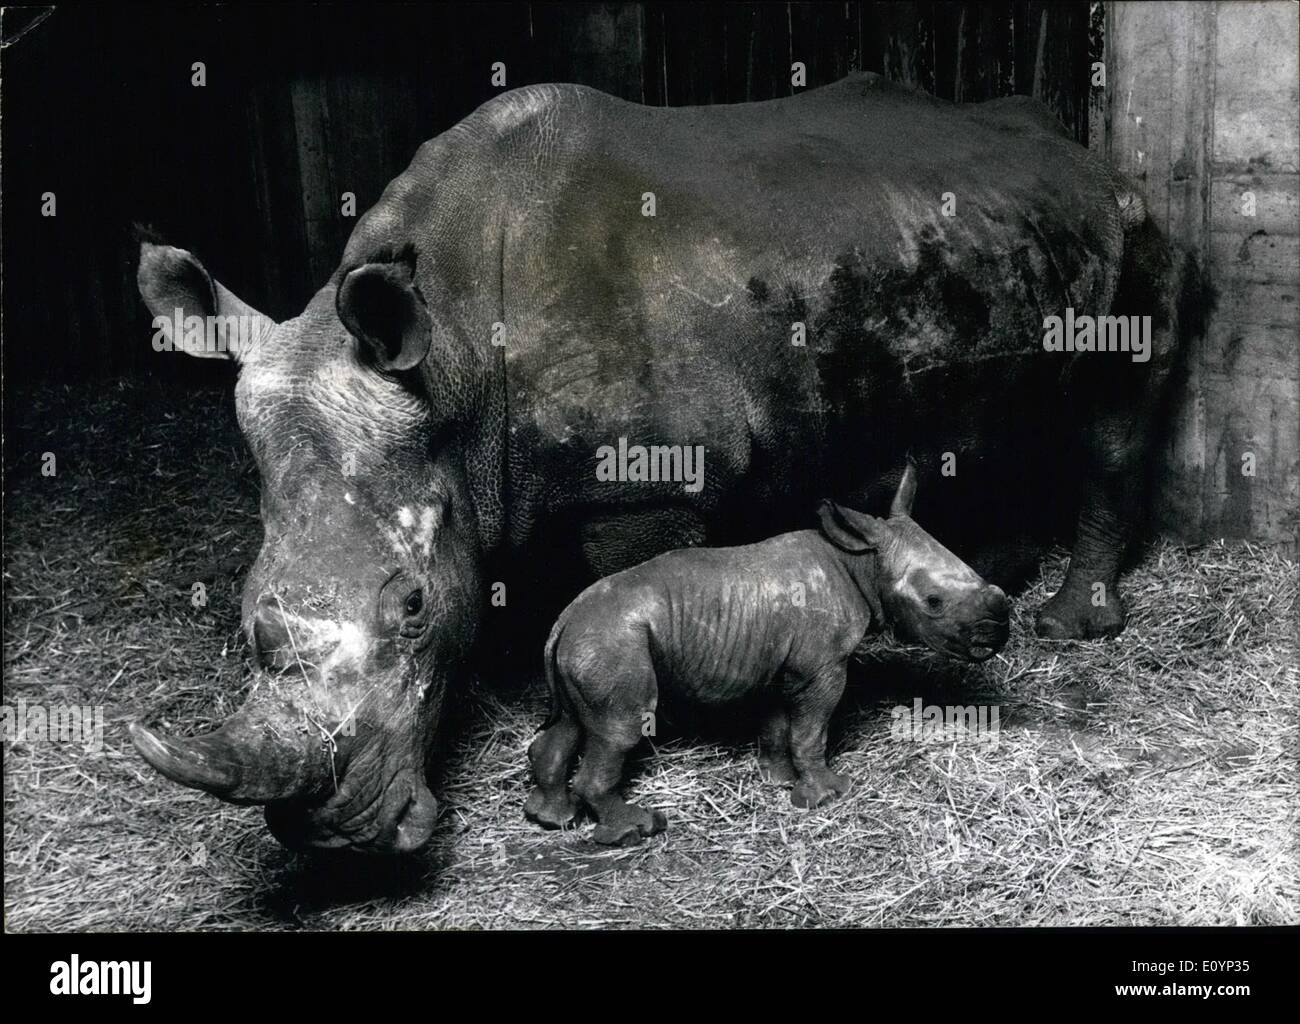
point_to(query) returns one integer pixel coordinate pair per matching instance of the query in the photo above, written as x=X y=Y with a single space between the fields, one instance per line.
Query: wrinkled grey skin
x=921 y=331
x=363 y=600
x=721 y=625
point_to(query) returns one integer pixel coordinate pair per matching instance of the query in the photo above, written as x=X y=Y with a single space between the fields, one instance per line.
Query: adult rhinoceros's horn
x=250 y=759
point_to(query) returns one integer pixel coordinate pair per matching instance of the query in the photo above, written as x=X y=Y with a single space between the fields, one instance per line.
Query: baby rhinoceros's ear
x=849 y=530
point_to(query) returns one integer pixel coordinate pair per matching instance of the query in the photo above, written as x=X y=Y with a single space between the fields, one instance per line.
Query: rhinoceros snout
x=417 y=819
x=281 y=639
x=399 y=818
x=996 y=605
x=984 y=623
x=272 y=644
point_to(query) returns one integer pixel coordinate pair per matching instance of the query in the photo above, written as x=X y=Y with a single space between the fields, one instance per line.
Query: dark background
x=303 y=104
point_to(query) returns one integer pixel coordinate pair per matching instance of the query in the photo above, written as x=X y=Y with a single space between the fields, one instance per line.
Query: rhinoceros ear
x=906 y=493
x=850 y=530
x=183 y=298
x=378 y=304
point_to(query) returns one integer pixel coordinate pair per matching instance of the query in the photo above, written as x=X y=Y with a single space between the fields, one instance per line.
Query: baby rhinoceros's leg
x=551 y=754
x=612 y=679
x=619 y=822
x=811 y=706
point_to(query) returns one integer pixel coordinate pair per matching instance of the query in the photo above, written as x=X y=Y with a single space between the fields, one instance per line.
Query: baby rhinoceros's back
x=711 y=624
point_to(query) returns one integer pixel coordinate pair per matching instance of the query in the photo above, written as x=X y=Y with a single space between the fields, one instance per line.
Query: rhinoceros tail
x=552 y=680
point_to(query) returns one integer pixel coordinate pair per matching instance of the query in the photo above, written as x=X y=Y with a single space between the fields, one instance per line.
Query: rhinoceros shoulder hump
x=530 y=104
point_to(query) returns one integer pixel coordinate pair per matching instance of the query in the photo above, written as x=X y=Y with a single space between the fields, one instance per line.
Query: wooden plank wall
x=1202 y=101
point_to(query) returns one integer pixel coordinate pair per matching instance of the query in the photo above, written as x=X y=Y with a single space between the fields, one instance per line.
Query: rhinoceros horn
x=252 y=758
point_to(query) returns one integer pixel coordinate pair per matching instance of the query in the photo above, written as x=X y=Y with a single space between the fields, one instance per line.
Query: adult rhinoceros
x=805 y=287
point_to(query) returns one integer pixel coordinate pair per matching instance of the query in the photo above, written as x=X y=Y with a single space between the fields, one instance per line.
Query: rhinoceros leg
x=551 y=754
x=1121 y=405
x=597 y=782
x=810 y=716
x=774 y=762
x=612 y=700
x=1089 y=605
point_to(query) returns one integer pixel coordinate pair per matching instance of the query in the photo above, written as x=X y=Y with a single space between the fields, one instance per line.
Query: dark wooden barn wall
x=302 y=106
x=1203 y=116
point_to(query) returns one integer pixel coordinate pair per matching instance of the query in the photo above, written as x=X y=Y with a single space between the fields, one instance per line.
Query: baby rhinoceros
x=776 y=621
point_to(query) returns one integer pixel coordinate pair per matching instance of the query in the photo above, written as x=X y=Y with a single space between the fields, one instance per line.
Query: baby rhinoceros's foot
x=822 y=788
x=551 y=808
x=627 y=825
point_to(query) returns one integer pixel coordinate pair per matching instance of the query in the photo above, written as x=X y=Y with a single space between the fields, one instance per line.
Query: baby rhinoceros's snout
x=984 y=622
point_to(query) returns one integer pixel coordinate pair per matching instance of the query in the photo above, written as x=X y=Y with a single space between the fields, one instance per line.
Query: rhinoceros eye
x=934 y=603
x=414 y=602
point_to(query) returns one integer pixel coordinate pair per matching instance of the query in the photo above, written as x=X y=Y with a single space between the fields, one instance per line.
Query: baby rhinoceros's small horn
x=906 y=493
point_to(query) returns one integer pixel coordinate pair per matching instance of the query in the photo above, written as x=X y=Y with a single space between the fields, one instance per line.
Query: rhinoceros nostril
x=270 y=633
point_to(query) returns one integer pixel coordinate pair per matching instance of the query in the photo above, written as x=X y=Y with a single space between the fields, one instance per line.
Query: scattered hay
x=1147 y=780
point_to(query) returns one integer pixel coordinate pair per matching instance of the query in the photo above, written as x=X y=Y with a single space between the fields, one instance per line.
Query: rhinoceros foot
x=815 y=790
x=551 y=808
x=1067 y=617
x=777 y=769
x=629 y=826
